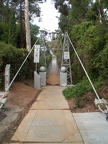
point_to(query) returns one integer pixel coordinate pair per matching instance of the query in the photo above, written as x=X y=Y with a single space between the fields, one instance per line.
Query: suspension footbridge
x=49 y=119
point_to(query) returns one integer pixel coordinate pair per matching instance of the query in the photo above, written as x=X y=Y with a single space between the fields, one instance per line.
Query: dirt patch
x=21 y=96
x=87 y=102
x=53 y=79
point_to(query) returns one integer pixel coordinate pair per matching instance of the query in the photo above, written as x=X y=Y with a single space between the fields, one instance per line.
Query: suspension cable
x=83 y=68
x=5 y=94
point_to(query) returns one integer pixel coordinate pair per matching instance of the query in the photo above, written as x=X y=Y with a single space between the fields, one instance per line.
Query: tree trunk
x=102 y=12
x=21 y=29
x=27 y=26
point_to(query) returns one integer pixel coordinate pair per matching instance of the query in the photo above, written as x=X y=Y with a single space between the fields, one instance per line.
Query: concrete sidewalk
x=50 y=121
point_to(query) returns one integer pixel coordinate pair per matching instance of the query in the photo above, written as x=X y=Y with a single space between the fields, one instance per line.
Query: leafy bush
x=13 y=56
x=89 y=41
x=101 y=63
x=79 y=90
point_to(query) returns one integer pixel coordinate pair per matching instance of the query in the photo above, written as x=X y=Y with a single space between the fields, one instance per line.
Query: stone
x=42 y=69
x=63 y=79
x=37 y=80
x=63 y=69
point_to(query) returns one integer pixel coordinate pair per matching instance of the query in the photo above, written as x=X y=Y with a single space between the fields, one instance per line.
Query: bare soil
x=21 y=96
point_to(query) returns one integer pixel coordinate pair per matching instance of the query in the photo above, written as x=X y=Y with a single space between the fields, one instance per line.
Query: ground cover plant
x=79 y=90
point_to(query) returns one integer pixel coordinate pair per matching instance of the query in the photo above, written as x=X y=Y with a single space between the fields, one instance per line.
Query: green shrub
x=79 y=90
x=89 y=40
x=13 y=56
x=68 y=92
x=101 y=63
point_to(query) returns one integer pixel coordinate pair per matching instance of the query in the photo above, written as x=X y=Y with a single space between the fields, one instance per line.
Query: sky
x=49 y=16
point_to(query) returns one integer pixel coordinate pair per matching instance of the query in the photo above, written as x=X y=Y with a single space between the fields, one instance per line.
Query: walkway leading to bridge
x=49 y=120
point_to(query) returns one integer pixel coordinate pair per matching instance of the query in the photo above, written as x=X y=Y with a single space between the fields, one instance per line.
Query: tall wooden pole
x=27 y=26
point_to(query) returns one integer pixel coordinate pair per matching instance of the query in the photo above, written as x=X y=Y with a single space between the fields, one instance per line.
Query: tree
x=62 y=7
x=63 y=23
x=34 y=32
x=12 y=29
x=87 y=25
x=27 y=26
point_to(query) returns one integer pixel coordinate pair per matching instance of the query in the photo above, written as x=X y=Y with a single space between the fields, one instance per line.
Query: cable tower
x=66 y=59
